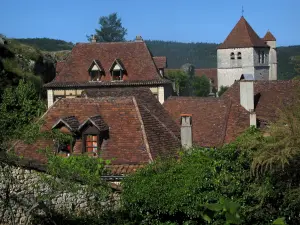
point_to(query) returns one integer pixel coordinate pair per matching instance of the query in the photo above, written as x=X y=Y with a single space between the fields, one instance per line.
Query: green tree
x=180 y=79
x=19 y=107
x=222 y=90
x=201 y=86
x=111 y=29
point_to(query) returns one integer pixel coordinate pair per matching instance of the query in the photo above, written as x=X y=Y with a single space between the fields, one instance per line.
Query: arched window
x=232 y=56
x=239 y=55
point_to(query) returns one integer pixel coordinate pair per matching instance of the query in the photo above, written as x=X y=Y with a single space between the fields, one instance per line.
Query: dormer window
x=232 y=56
x=67 y=125
x=239 y=55
x=94 y=130
x=95 y=71
x=117 y=70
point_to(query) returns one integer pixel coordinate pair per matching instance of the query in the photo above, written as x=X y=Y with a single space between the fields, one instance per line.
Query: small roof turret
x=269 y=37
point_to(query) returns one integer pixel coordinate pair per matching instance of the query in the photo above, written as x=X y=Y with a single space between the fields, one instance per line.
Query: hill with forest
x=19 y=61
x=202 y=55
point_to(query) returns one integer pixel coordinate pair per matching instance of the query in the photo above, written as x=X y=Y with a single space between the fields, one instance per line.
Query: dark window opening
x=95 y=75
x=239 y=55
x=232 y=56
x=117 y=75
x=262 y=57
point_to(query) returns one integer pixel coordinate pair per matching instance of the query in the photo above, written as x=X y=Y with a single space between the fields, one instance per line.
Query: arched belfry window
x=117 y=70
x=232 y=56
x=239 y=55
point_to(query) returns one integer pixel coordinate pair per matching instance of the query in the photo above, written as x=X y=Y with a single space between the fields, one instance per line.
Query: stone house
x=211 y=122
x=244 y=52
x=127 y=125
x=105 y=65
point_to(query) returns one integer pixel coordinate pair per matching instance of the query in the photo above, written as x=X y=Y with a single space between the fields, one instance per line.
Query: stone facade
x=24 y=188
x=232 y=63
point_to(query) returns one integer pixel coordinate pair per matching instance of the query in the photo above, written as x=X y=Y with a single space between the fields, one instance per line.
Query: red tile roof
x=221 y=120
x=269 y=37
x=135 y=57
x=59 y=66
x=122 y=169
x=211 y=73
x=242 y=36
x=97 y=84
x=163 y=133
x=160 y=62
x=135 y=133
x=209 y=116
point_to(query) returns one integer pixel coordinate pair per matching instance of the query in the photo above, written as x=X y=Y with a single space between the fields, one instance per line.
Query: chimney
x=247 y=99
x=253 y=119
x=138 y=38
x=247 y=95
x=94 y=39
x=186 y=131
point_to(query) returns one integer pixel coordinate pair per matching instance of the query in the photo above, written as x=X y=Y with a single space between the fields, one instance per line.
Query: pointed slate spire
x=242 y=36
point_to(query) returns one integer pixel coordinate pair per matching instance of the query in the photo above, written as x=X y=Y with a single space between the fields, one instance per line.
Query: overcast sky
x=170 y=20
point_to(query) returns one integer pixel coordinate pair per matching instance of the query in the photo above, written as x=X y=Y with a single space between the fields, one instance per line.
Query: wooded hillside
x=202 y=55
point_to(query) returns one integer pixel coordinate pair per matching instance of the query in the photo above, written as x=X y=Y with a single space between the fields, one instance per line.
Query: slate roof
x=160 y=62
x=269 y=37
x=135 y=58
x=135 y=133
x=242 y=36
x=221 y=120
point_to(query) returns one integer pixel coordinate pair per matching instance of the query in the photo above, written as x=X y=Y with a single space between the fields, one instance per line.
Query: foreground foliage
x=177 y=189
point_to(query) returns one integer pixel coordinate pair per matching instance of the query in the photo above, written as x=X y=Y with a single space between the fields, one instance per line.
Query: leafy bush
x=19 y=107
x=176 y=190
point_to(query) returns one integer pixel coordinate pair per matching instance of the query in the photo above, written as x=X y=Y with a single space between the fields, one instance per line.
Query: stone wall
x=22 y=189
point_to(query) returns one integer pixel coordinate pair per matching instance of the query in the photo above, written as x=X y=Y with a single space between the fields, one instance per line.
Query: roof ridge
x=143 y=128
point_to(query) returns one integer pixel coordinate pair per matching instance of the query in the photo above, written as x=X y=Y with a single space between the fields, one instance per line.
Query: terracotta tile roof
x=97 y=121
x=221 y=120
x=269 y=96
x=59 y=66
x=70 y=121
x=209 y=116
x=133 y=139
x=122 y=169
x=160 y=62
x=269 y=37
x=162 y=132
x=135 y=57
x=242 y=36
x=87 y=84
x=211 y=73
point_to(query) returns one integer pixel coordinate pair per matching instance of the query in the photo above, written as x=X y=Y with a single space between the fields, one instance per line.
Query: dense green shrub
x=175 y=190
